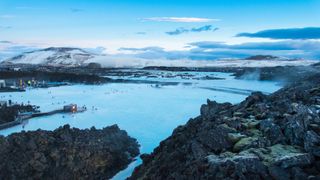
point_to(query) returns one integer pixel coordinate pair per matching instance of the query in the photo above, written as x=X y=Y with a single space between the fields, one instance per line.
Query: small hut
x=70 y=108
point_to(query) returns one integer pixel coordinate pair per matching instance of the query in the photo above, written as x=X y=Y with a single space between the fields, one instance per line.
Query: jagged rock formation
x=264 y=137
x=66 y=153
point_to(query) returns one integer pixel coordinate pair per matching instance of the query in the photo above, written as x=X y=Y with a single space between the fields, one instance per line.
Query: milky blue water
x=147 y=112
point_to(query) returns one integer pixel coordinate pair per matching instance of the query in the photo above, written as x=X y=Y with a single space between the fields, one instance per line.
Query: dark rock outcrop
x=66 y=153
x=9 y=113
x=263 y=137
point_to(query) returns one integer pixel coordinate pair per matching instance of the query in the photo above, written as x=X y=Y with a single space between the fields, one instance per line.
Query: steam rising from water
x=255 y=75
x=129 y=61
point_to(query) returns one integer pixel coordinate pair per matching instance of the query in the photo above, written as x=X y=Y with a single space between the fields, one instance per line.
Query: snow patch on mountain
x=54 y=56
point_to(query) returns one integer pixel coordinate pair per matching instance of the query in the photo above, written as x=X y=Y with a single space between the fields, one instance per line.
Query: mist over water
x=255 y=75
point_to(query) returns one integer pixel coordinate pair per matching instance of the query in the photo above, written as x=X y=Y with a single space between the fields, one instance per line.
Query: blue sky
x=174 y=25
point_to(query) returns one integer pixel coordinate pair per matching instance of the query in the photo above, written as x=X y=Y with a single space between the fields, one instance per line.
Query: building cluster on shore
x=6 y=85
x=22 y=84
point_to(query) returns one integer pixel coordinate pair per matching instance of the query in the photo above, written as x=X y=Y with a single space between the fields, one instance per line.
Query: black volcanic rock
x=263 y=137
x=66 y=153
x=8 y=113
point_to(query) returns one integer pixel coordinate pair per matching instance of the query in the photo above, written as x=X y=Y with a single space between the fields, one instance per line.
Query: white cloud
x=180 y=19
x=9 y=49
x=217 y=50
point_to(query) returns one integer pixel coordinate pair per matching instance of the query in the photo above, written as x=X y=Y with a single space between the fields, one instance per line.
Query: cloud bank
x=208 y=50
x=9 y=49
x=303 y=46
x=291 y=33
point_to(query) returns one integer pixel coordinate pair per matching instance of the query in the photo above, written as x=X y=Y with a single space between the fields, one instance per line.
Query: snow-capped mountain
x=55 y=56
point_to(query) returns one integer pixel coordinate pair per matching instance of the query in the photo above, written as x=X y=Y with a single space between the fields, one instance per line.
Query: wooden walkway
x=22 y=118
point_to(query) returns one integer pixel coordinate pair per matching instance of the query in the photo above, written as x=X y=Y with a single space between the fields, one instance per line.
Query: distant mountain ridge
x=266 y=57
x=68 y=56
x=55 y=56
x=262 y=57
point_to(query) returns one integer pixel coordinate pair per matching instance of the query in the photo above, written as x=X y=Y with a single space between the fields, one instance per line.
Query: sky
x=165 y=29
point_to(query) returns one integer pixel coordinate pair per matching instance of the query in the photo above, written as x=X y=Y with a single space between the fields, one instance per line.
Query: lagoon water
x=147 y=112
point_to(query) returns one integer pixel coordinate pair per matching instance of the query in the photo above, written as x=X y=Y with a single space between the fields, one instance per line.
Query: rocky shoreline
x=66 y=153
x=264 y=137
x=9 y=113
x=53 y=76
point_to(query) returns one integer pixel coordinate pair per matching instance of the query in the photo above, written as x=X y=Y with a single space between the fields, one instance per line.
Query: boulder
x=66 y=153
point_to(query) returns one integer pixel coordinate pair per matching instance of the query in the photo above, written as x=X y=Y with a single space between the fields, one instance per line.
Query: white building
x=2 y=83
